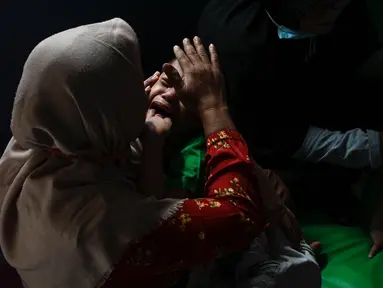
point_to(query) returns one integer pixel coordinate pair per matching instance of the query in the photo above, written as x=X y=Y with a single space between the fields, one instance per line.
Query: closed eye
x=164 y=82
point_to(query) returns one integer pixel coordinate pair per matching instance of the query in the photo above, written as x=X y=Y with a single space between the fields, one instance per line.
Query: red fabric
x=227 y=220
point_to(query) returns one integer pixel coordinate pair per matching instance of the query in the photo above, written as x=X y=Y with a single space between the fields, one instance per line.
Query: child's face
x=163 y=99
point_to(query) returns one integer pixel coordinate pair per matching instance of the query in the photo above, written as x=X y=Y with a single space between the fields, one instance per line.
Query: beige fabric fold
x=66 y=220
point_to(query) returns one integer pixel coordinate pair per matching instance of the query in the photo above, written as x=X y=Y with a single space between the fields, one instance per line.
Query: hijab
x=69 y=204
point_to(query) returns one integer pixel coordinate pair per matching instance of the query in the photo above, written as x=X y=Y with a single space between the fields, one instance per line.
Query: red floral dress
x=225 y=221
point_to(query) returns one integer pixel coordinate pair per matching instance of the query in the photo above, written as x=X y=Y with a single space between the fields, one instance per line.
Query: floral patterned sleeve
x=227 y=220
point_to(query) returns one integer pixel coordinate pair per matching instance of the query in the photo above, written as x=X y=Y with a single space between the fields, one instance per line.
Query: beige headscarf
x=66 y=220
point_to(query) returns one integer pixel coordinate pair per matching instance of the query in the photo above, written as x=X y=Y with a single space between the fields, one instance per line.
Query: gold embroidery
x=211 y=141
x=236 y=185
x=200 y=204
x=201 y=236
x=215 y=204
x=185 y=219
x=221 y=192
x=223 y=135
x=221 y=144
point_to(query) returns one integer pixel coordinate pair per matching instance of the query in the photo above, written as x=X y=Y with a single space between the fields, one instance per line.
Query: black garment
x=277 y=88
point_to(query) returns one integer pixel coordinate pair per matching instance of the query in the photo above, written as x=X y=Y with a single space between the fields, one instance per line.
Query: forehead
x=176 y=65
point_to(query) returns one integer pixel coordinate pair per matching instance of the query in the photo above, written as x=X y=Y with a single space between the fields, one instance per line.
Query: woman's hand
x=148 y=83
x=201 y=86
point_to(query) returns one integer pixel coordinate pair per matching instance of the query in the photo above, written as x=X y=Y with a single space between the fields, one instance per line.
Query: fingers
x=148 y=83
x=201 y=50
x=375 y=249
x=316 y=247
x=191 y=51
x=195 y=54
x=152 y=79
x=182 y=58
x=150 y=113
x=168 y=122
x=174 y=78
x=214 y=57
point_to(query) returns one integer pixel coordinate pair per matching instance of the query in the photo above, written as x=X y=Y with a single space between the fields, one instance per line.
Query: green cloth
x=185 y=170
x=346 y=247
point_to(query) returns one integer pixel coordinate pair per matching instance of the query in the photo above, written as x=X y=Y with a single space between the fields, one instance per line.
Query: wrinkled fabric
x=69 y=204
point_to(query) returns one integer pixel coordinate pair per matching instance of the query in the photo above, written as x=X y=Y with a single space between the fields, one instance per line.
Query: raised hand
x=201 y=86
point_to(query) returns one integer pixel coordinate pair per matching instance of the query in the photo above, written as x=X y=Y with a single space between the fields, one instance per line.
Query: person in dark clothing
x=285 y=63
x=261 y=59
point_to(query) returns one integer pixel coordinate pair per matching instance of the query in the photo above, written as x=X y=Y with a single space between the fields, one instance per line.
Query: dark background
x=159 y=25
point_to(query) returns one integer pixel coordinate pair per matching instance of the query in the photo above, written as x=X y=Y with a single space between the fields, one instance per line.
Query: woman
x=71 y=215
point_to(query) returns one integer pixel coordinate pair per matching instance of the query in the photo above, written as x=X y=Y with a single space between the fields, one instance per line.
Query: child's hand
x=157 y=126
x=148 y=83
